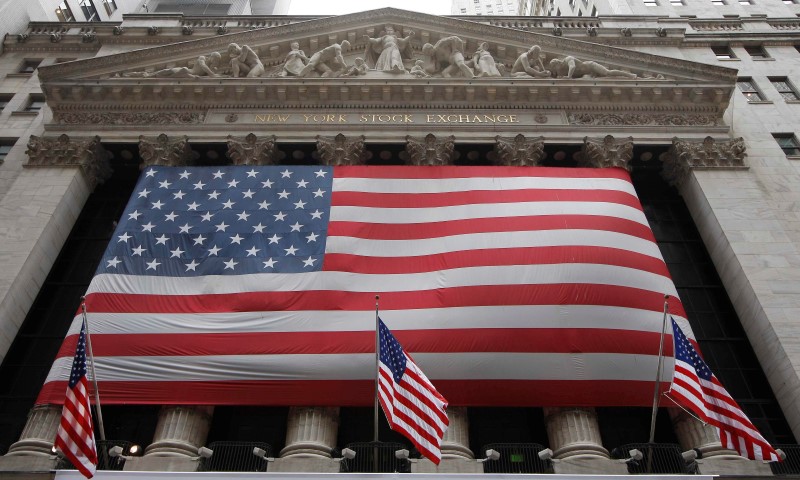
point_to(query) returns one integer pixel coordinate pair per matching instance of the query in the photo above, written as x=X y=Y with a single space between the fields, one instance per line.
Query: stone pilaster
x=63 y=151
x=686 y=155
x=339 y=150
x=249 y=150
x=574 y=431
x=518 y=151
x=165 y=152
x=39 y=433
x=180 y=431
x=311 y=431
x=430 y=150
x=606 y=152
x=456 y=439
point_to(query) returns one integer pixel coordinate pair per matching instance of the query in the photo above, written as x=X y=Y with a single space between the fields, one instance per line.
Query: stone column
x=180 y=431
x=455 y=443
x=39 y=433
x=693 y=433
x=311 y=431
x=606 y=152
x=574 y=431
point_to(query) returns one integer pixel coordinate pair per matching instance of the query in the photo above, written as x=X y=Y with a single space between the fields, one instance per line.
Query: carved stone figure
x=250 y=151
x=359 y=68
x=484 y=63
x=328 y=62
x=202 y=66
x=63 y=151
x=339 y=151
x=163 y=151
x=571 y=67
x=244 y=61
x=387 y=52
x=529 y=64
x=518 y=151
x=418 y=70
x=429 y=151
x=606 y=152
x=295 y=61
x=447 y=58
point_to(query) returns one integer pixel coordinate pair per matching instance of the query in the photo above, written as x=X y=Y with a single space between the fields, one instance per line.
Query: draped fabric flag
x=699 y=390
x=409 y=400
x=75 y=436
x=255 y=285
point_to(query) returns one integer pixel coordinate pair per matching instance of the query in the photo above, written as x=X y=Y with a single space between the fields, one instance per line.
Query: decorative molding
x=643 y=119
x=187 y=30
x=163 y=151
x=118 y=30
x=89 y=37
x=606 y=152
x=22 y=37
x=153 y=30
x=55 y=37
x=249 y=150
x=339 y=151
x=222 y=30
x=429 y=150
x=626 y=32
x=128 y=118
x=686 y=155
x=63 y=151
x=518 y=151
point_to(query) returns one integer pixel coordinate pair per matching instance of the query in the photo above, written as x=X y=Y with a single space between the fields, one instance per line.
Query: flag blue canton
x=79 y=361
x=391 y=353
x=223 y=221
x=685 y=352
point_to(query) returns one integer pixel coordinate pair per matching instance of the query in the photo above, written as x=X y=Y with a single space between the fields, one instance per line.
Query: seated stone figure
x=328 y=62
x=529 y=64
x=484 y=63
x=571 y=67
x=294 y=63
x=447 y=57
x=418 y=70
x=359 y=68
x=244 y=61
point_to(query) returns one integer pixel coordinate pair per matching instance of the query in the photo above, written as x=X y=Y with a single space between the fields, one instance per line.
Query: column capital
x=518 y=151
x=63 y=151
x=249 y=150
x=606 y=152
x=685 y=155
x=339 y=150
x=430 y=150
x=162 y=151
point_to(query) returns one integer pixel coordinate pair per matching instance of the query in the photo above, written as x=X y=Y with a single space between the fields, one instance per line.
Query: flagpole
x=101 y=428
x=377 y=374
x=658 y=380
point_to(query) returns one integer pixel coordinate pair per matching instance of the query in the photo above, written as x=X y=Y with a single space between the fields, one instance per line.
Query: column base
x=155 y=463
x=28 y=463
x=449 y=464
x=589 y=465
x=304 y=463
x=310 y=449
x=733 y=465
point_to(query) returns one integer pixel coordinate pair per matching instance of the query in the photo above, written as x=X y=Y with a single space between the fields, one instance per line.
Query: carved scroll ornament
x=339 y=150
x=250 y=150
x=163 y=151
x=63 y=151
x=518 y=151
x=606 y=152
x=430 y=151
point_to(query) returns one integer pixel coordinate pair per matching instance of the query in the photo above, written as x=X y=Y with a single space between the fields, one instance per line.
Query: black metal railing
x=791 y=464
x=515 y=458
x=655 y=458
x=104 y=459
x=236 y=457
x=376 y=457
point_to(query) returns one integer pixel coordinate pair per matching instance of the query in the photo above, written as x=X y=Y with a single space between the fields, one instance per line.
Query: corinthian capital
x=606 y=152
x=250 y=150
x=518 y=151
x=165 y=152
x=685 y=155
x=429 y=150
x=63 y=151
x=339 y=150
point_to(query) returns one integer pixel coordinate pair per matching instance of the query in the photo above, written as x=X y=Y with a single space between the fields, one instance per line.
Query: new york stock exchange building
x=232 y=194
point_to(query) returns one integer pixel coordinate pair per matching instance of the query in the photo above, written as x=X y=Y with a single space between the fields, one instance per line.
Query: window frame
x=110 y=6
x=29 y=66
x=791 y=150
x=6 y=144
x=754 y=90
x=87 y=6
x=727 y=55
x=789 y=88
x=64 y=12
x=34 y=99
x=757 y=52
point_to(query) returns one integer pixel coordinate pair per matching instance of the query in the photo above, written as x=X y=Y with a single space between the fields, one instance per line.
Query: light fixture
x=634 y=457
x=403 y=454
x=262 y=454
x=134 y=449
x=689 y=456
x=490 y=455
x=205 y=452
x=347 y=454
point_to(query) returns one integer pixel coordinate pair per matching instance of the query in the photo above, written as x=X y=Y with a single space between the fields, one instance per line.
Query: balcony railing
x=655 y=458
x=368 y=452
x=104 y=459
x=236 y=457
x=791 y=464
x=516 y=458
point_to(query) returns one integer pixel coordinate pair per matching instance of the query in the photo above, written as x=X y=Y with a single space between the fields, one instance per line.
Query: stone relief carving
x=165 y=152
x=249 y=150
x=418 y=70
x=606 y=152
x=518 y=151
x=529 y=64
x=327 y=62
x=388 y=51
x=63 y=151
x=430 y=151
x=483 y=62
x=244 y=61
x=129 y=118
x=684 y=155
x=339 y=150
x=571 y=67
x=359 y=67
x=202 y=66
x=118 y=30
x=447 y=58
x=641 y=119
x=294 y=63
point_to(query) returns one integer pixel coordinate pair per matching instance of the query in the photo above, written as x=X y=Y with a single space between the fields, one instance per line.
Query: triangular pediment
x=604 y=74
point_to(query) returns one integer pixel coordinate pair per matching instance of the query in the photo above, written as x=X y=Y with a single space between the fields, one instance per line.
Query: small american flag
x=696 y=388
x=411 y=403
x=75 y=437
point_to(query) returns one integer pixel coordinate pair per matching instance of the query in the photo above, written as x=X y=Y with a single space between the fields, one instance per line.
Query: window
x=89 y=11
x=718 y=2
x=785 y=88
x=745 y=2
x=4 y=100
x=789 y=2
x=62 y=60
x=111 y=6
x=64 y=13
x=756 y=51
x=650 y=3
x=594 y=11
x=35 y=104
x=723 y=52
x=5 y=147
x=463 y=10
x=788 y=143
x=676 y=3
x=29 y=65
x=749 y=90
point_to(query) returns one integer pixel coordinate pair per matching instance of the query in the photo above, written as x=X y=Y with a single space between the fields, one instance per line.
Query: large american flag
x=75 y=435
x=699 y=390
x=254 y=285
x=409 y=400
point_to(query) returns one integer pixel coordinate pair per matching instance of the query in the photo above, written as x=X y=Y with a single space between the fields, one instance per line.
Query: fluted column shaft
x=693 y=433
x=456 y=439
x=311 y=431
x=180 y=431
x=39 y=433
x=574 y=431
